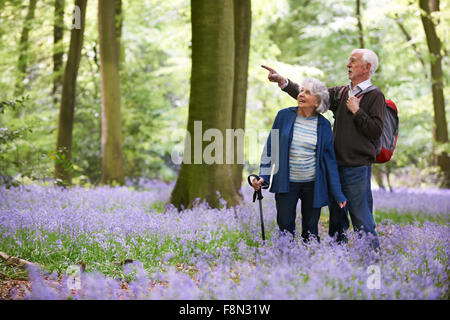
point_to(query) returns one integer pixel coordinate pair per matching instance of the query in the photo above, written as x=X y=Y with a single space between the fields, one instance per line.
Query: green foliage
x=8 y=137
x=298 y=38
x=14 y=105
x=60 y=158
x=408 y=218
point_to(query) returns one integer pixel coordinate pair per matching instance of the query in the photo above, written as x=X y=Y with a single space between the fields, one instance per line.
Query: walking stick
x=258 y=194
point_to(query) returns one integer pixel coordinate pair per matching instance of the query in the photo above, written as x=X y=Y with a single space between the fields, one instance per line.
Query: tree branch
x=17 y=262
x=413 y=45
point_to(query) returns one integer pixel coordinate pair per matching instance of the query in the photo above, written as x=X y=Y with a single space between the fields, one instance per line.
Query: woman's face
x=306 y=99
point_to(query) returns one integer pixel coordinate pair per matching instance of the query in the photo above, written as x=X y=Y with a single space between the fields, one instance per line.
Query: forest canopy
x=299 y=38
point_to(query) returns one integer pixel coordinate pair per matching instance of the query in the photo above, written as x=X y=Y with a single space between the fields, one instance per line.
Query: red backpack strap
x=341 y=94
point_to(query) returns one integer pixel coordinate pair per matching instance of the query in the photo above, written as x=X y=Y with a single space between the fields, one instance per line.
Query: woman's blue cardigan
x=327 y=176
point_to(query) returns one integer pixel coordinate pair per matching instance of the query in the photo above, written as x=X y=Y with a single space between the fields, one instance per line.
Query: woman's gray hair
x=318 y=89
x=370 y=57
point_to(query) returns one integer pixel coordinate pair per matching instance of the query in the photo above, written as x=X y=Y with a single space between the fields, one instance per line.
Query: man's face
x=357 y=69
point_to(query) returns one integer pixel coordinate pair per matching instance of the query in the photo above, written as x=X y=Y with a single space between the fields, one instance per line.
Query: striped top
x=302 y=153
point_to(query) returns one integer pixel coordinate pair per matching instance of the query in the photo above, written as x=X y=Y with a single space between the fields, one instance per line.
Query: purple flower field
x=431 y=202
x=205 y=253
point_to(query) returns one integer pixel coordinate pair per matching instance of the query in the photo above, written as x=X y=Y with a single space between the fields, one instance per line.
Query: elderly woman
x=306 y=164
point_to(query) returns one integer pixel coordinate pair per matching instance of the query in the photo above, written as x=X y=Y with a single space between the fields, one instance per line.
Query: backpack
x=385 y=145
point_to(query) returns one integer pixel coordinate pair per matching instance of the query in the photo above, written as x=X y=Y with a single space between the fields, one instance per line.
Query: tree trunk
x=112 y=158
x=58 y=53
x=360 y=27
x=2 y=6
x=242 y=27
x=67 y=107
x=23 y=48
x=17 y=262
x=377 y=173
x=437 y=86
x=388 y=179
x=211 y=102
x=119 y=26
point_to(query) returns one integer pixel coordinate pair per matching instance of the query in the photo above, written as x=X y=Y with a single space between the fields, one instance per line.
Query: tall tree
x=58 y=53
x=112 y=157
x=437 y=83
x=22 y=63
x=242 y=28
x=360 y=27
x=67 y=106
x=119 y=26
x=211 y=102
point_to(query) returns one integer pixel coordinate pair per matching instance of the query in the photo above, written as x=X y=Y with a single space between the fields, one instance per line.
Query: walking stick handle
x=257 y=193
x=265 y=184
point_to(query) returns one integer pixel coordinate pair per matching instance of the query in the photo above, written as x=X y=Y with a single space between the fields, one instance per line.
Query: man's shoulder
x=371 y=88
x=336 y=93
x=375 y=92
x=374 y=88
x=336 y=88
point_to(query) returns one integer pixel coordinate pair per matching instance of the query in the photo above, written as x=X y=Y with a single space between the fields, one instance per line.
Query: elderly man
x=359 y=115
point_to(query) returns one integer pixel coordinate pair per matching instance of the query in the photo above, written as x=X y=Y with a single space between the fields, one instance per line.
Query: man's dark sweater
x=354 y=134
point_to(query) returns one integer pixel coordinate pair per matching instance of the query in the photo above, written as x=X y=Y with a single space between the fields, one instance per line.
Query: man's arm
x=334 y=101
x=291 y=88
x=285 y=84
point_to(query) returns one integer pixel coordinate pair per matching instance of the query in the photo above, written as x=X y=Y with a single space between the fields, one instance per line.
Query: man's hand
x=256 y=184
x=274 y=76
x=342 y=204
x=353 y=104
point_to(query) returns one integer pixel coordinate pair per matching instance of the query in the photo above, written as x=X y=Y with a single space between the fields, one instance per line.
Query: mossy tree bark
x=119 y=26
x=67 y=106
x=58 y=53
x=360 y=26
x=437 y=83
x=211 y=102
x=242 y=28
x=22 y=63
x=112 y=157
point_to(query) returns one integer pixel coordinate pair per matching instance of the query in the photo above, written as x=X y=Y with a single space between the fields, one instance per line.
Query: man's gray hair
x=318 y=89
x=370 y=57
